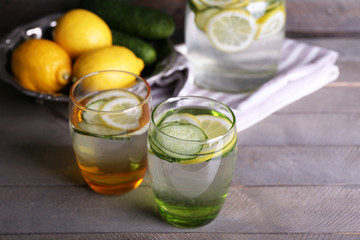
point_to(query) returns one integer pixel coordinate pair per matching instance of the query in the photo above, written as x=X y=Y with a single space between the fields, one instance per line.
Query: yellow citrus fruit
x=108 y=58
x=272 y=22
x=41 y=65
x=80 y=30
x=231 y=30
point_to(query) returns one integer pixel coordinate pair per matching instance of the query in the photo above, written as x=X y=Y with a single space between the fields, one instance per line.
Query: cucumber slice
x=181 y=131
x=166 y=155
x=93 y=118
x=196 y=5
x=202 y=17
x=99 y=130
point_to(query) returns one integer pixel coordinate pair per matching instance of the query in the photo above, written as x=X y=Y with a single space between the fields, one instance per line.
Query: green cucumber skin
x=141 y=48
x=140 y=21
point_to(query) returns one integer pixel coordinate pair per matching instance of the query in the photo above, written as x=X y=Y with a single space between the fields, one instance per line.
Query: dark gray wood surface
x=297 y=175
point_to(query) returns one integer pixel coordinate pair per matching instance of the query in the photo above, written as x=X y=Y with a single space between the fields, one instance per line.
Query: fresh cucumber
x=140 y=21
x=141 y=48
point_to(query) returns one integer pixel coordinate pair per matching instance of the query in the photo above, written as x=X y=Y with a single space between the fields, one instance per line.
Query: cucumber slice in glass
x=99 y=130
x=181 y=131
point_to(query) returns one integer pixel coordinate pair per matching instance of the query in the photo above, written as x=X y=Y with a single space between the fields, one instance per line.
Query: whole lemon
x=41 y=65
x=80 y=30
x=108 y=58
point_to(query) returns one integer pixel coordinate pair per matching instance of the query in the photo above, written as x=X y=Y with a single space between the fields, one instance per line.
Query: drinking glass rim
x=211 y=140
x=82 y=107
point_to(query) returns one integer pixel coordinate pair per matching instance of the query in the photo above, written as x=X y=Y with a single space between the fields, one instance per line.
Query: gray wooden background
x=297 y=174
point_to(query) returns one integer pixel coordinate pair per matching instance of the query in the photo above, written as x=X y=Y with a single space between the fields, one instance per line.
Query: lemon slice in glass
x=231 y=30
x=219 y=154
x=90 y=117
x=271 y=23
x=126 y=120
x=183 y=118
x=213 y=127
x=107 y=95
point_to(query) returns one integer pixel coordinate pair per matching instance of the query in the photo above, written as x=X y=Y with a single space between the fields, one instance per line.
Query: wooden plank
x=323 y=18
x=248 y=210
x=348 y=48
x=330 y=99
x=36 y=130
x=38 y=166
x=308 y=146
x=282 y=128
x=297 y=129
x=256 y=165
x=284 y=165
x=184 y=236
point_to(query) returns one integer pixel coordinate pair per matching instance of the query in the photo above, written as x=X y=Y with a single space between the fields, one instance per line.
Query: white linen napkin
x=303 y=69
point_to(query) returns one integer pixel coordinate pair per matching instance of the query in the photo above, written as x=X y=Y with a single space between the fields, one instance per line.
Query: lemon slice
x=219 y=2
x=183 y=118
x=239 y=4
x=214 y=126
x=231 y=30
x=219 y=154
x=106 y=95
x=271 y=23
x=93 y=118
x=123 y=120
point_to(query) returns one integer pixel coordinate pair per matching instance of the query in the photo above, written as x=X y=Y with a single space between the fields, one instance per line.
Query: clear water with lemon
x=111 y=148
x=191 y=156
x=234 y=45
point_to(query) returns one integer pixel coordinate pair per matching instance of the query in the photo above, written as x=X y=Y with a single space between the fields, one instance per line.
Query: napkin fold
x=303 y=69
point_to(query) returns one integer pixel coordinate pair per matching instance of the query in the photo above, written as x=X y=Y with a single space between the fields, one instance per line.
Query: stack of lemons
x=82 y=43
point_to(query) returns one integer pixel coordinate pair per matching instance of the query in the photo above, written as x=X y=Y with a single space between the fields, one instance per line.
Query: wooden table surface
x=297 y=174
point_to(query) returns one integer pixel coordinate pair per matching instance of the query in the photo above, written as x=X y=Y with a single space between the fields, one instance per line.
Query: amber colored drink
x=110 y=164
x=109 y=137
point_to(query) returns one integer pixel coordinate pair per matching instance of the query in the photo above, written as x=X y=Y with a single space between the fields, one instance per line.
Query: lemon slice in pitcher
x=221 y=3
x=271 y=23
x=231 y=30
